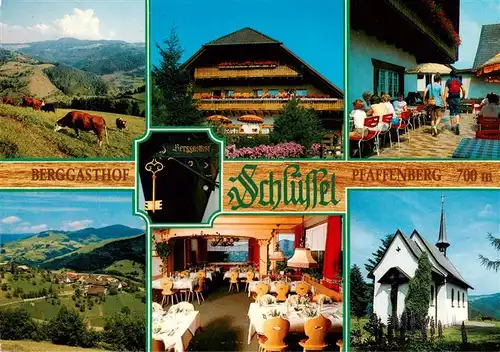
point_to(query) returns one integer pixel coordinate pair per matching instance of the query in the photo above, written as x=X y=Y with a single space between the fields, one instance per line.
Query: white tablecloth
x=251 y=286
x=256 y=325
x=207 y=276
x=174 y=329
x=180 y=284
x=241 y=275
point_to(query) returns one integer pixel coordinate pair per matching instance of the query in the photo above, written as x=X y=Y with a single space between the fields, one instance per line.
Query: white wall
x=363 y=49
x=405 y=261
x=459 y=312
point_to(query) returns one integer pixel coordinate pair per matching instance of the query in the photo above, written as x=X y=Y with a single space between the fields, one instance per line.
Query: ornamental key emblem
x=154 y=167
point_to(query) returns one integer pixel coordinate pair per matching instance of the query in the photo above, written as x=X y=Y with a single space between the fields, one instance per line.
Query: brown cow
x=33 y=102
x=8 y=100
x=79 y=120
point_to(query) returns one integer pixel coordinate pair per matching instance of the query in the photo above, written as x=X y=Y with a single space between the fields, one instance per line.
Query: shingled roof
x=489 y=44
x=245 y=35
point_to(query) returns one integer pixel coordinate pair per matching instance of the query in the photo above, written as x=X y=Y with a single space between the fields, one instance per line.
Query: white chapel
x=449 y=290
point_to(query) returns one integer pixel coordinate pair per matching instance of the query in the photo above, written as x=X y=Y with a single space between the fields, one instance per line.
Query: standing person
x=435 y=103
x=452 y=92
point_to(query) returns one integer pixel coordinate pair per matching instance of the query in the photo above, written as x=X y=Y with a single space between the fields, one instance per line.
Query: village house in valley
x=246 y=73
x=449 y=290
x=388 y=37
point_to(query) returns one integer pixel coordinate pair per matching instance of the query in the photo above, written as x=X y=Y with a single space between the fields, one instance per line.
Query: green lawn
x=31 y=346
x=127 y=267
x=27 y=285
x=44 y=310
x=25 y=133
x=479 y=338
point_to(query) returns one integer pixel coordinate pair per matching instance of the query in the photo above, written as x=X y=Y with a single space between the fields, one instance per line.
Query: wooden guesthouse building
x=245 y=78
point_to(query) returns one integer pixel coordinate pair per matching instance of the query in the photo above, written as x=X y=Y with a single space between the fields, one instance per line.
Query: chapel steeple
x=442 y=242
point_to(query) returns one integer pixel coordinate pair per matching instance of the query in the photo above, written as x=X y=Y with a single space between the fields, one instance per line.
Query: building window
x=452 y=297
x=458 y=299
x=388 y=78
x=432 y=296
x=301 y=92
x=257 y=93
x=217 y=93
x=236 y=253
x=463 y=299
x=273 y=93
x=229 y=93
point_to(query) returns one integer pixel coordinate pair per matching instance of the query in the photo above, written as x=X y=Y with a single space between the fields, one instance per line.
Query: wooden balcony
x=318 y=104
x=228 y=73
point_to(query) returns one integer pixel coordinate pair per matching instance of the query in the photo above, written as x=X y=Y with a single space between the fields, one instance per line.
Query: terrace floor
x=423 y=145
x=224 y=324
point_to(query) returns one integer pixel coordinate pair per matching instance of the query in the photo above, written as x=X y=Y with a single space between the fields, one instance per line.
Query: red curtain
x=253 y=251
x=332 y=263
x=297 y=230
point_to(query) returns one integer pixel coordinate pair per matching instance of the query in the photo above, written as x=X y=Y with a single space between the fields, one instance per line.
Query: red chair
x=489 y=123
x=404 y=124
x=387 y=121
x=488 y=134
x=370 y=124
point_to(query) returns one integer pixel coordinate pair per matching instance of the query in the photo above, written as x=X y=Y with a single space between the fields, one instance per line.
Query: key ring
x=154 y=166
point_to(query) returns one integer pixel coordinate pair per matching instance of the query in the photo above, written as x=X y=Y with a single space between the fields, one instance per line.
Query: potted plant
x=162 y=249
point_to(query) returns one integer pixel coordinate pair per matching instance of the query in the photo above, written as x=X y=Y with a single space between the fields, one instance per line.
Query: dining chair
x=199 y=290
x=184 y=274
x=167 y=292
x=250 y=275
x=261 y=289
x=275 y=331
x=340 y=344
x=316 y=330
x=302 y=288
x=282 y=289
x=233 y=280
x=387 y=121
x=370 y=124
x=201 y=274
x=404 y=124
x=157 y=346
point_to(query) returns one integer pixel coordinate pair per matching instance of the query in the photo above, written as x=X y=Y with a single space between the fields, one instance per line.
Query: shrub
x=297 y=124
x=125 y=332
x=279 y=151
x=16 y=324
x=67 y=328
x=417 y=300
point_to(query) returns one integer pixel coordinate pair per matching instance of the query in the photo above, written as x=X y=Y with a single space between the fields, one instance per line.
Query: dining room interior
x=268 y=283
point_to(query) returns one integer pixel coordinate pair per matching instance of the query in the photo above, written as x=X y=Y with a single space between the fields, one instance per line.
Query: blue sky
x=29 y=21
x=33 y=212
x=473 y=14
x=312 y=30
x=470 y=216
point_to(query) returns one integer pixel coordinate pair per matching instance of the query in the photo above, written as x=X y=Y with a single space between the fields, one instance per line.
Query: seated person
x=358 y=115
x=366 y=97
x=492 y=109
x=377 y=108
x=400 y=105
x=389 y=108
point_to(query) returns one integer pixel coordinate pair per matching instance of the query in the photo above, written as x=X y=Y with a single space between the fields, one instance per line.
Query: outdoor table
x=473 y=148
x=256 y=316
x=272 y=288
x=242 y=275
x=175 y=330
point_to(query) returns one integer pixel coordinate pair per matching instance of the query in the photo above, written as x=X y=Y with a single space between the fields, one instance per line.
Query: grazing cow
x=33 y=102
x=120 y=123
x=487 y=318
x=82 y=121
x=7 y=100
x=48 y=108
